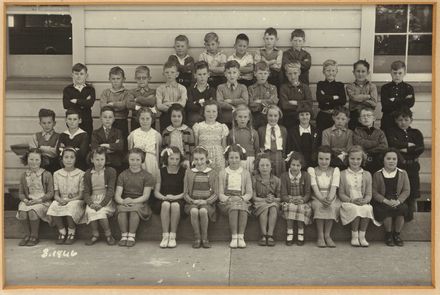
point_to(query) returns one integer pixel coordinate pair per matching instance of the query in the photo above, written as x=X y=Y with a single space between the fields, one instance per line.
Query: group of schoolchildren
x=217 y=135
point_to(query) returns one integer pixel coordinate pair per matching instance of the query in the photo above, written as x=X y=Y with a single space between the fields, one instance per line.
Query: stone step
x=417 y=230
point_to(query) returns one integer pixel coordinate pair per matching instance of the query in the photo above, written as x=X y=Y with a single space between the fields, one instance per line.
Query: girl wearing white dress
x=36 y=193
x=325 y=204
x=148 y=140
x=69 y=203
x=355 y=193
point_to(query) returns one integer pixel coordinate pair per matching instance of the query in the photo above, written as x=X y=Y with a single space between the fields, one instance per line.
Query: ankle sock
x=300 y=234
x=71 y=231
x=62 y=231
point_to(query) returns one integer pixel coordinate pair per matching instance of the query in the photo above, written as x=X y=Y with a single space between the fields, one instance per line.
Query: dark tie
x=273 y=141
x=107 y=132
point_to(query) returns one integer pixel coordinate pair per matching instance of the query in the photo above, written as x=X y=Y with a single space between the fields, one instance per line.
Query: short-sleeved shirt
x=133 y=183
x=247 y=59
x=276 y=54
x=324 y=179
x=213 y=60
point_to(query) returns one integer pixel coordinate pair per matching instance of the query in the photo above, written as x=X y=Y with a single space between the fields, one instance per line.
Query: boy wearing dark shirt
x=409 y=141
x=395 y=95
x=298 y=54
x=80 y=96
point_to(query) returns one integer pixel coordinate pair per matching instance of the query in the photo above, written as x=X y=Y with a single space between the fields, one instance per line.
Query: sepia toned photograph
x=218 y=145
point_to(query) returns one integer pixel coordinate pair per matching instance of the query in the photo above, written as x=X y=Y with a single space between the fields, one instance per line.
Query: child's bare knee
x=175 y=206
x=22 y=215
x=203 y=211
x=33 y=215
x=166 y=205
x=194 y=212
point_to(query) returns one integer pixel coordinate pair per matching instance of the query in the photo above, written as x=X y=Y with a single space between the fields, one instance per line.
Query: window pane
x=40 y=34
x=391 y=18
x=386 y=50
x=419 y=54
x=420 y=18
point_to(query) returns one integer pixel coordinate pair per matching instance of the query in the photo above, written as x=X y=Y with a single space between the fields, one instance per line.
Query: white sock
x=124 y=236
x=71 y=231
x=300 y=234
x=62 y=231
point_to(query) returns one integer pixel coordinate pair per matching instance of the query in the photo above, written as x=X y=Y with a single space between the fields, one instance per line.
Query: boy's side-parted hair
x=201 y=65
x=182 y=38
x=142 y=69
x=232 y=64
x=355 y=149
x=397 y=65
x=329 y=62
x=169 y=64
x=211 y=37
x=117 y=71
x=261 y=66
x=148 y=111
x=43 y=113
x=362 y=62
x=339 y=110
x=271 y=31
x=298 y=33
x=242 y=37
x=292 y=65
x=367 y=109
x=78 y=67
x=73 y=112
x=107 y=108
x=404 y=112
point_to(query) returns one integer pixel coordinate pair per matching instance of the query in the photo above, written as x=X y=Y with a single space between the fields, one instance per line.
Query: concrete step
x=417 y=230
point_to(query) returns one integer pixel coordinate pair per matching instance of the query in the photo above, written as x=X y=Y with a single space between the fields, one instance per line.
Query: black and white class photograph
x=187 y=145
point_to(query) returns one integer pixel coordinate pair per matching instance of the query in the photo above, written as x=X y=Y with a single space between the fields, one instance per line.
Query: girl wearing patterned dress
x=132 y=192
x=35 y=192
x=390 y=190
x=295 y=196
x=168 y=194
x=212 y=135
x=99 y=190
x=244 y=134
x=68 y=186
x=273 y=139
x=148 y=140
x=355 y=193
x=200 y=193
x=325 y=204
x=178 y=134
x=235 y=192
x=266 y=196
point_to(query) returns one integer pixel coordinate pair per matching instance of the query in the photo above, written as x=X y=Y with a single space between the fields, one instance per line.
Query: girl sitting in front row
x=99 y=190
x=355 y=194
x=295 y=194
x=36 y=193
x=200 y=193
x=132 y=192
x=266 y=196
x=325 y=203
x=390 y=190
x=235 y=191
x=148 y=140
x=168 y=194
x=68 y=185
